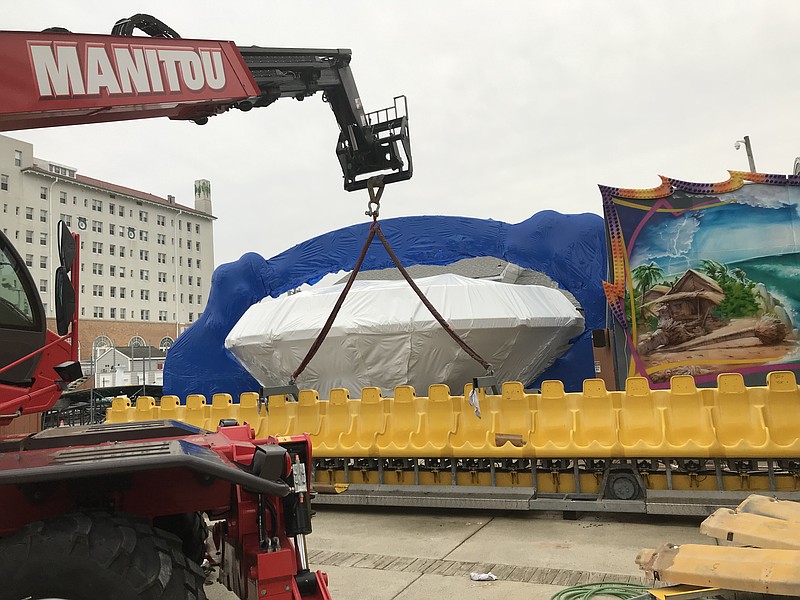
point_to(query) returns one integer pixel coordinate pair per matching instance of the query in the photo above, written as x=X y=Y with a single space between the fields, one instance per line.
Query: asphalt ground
x=393 y=554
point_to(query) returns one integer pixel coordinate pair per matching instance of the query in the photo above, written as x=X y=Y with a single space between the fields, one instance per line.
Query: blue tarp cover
x=570 y=249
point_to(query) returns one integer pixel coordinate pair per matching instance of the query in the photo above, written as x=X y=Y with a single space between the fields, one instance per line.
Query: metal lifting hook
x=375 y=187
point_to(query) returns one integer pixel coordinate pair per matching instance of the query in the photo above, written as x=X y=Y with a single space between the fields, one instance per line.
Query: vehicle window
x=15 y=304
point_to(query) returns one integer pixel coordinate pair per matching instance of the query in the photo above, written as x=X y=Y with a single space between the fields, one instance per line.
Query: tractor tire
x=191 y=529
x=87 y=556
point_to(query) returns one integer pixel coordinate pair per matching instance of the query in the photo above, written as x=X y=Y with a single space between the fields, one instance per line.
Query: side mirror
x=66 y=247
x=65 y=300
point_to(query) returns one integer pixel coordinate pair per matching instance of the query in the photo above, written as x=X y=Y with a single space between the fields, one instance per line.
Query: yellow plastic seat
x=553 y=421
x=171 y=408
x=309 y=414
x=248 y=413
x=195 y=413
x=595 y=419
x=471 y=438
x=687 y=422
x=221 y=408
x=403 y=422
x=369 y=421
x=511 y=416
x=145 y=409
x=640 y=426
x=437 y=422
x=338 y=420
x=736 y=415
x=121 y=410
x=782 y=408
x=281 y=415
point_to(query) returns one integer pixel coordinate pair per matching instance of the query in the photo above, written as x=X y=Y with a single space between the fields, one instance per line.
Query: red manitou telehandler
x=118 y=511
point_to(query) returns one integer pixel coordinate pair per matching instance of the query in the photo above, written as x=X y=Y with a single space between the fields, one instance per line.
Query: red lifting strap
x=374 y=229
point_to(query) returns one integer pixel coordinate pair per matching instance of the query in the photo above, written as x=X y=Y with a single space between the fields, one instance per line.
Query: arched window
x=166 y=343
x=101 y=344
x=136 y=342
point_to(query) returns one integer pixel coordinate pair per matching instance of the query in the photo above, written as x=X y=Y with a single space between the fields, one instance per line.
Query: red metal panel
x=60 y=79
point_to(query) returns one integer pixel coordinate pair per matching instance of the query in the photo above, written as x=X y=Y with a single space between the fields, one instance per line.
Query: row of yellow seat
x=730 y=420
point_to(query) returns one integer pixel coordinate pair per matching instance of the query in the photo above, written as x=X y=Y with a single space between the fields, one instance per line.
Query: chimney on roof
x=170 y=198
x=202 y=195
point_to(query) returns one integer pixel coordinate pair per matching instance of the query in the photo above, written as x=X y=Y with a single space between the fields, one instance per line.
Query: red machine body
x=64 y=79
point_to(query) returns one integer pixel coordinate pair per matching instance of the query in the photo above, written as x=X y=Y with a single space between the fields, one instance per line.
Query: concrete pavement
x=393 y=554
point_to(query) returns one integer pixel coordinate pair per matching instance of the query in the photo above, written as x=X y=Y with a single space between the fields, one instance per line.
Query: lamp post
x=749 y=149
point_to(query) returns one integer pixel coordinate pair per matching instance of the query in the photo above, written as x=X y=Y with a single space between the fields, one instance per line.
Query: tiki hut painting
x=692 y=298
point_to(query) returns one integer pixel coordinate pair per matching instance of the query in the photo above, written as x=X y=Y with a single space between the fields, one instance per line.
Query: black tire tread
x=88 y=555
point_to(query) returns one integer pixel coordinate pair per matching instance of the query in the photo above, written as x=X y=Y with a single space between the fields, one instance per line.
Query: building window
x=188 y=226
x=162 y=296
x=97 y=290
x=199 y=299
x=112 y=312
x=112 y=229
x=111 y=208
x=122 y=313
x=97 y=226
x=162 y=258
x=198 y=263
x=28 y=237
x=43 y=285
x=43 y=193
x=42 y=262
x=62 y=197
x=122 y=251
x=97 y=269
x=43 y=239
x=191 y=298
x=162 y=277
x=17 y=158
x=121 y=213
x=29 y=260
x=29 y=213
x=145 y=315
x=191 y=317
x=142 y=235
x=43 y=216
x=161 y=220
x=161 y=239
x=144 y=294
x=112 y=249
x=144 y=275
x=67 y=219
x=197 y=229
x=122 y=273
x=197 y=246
x=189 y=261
x=113 y=291
x=122 y=294
x=144 y=255
x=198 y=279
x=97 y=247
x=162 y=316
x=4 y=183
x=143 y=216
x=97 y=205
x=112 y=270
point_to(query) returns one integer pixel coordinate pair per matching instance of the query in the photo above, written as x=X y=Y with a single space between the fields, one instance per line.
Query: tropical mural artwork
x=706 y=277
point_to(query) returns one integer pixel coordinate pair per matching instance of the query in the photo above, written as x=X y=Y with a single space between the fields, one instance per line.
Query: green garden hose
x=585 y=591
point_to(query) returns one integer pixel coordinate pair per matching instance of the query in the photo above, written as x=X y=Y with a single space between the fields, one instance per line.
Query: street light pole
x=749 y=149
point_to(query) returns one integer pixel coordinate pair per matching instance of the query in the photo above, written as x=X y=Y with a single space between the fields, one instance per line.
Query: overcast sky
x=515 y=107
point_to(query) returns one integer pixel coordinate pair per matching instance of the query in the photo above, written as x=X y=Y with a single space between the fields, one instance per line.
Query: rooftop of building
x=114 y=188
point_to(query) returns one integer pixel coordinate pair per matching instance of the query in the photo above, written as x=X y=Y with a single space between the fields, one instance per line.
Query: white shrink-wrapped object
x=384 y=336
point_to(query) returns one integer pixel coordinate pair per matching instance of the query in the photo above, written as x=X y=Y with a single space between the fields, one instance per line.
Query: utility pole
x=749 y=149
